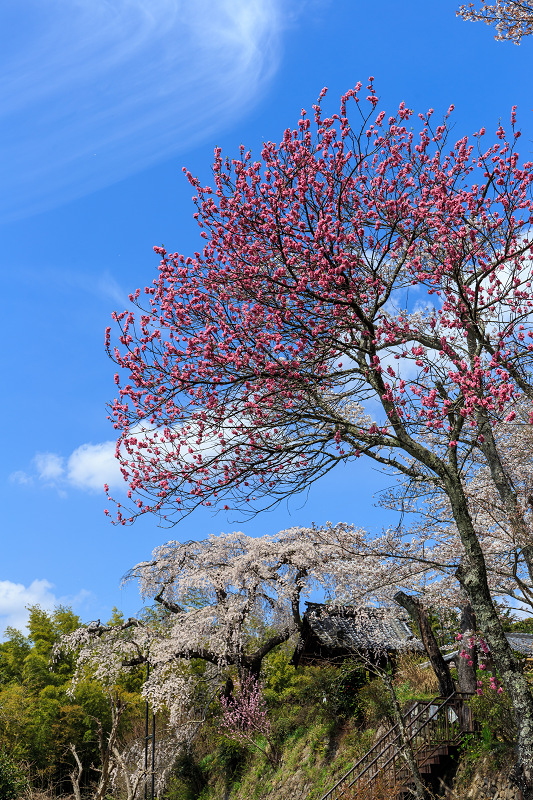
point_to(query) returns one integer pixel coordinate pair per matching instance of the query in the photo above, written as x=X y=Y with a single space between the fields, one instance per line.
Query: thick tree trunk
x=473 y=576
x=467 y=672
x=508 y=496
x=418 y=614
x=227 y=692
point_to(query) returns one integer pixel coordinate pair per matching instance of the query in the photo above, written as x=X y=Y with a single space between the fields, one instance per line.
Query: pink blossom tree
x=245 y=718
x=363 y=290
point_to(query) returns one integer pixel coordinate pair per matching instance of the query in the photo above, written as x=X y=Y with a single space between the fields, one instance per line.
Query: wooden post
x=419 y=615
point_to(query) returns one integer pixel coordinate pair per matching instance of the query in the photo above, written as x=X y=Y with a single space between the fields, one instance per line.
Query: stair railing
x=427 y=728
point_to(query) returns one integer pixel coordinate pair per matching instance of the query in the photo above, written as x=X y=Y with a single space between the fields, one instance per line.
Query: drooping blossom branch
x=226 y=601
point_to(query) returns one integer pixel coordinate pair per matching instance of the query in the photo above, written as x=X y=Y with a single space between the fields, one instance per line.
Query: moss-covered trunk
x=473 y=577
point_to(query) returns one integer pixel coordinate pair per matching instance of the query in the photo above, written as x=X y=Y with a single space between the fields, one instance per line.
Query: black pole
x=153 y=756
x=146 y=737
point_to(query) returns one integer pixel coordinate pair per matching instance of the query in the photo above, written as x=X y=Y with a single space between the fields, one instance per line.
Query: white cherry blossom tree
x=223 y=602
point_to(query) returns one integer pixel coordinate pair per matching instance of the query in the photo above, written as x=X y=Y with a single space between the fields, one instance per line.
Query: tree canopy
x=42 y=722
x=362 y=290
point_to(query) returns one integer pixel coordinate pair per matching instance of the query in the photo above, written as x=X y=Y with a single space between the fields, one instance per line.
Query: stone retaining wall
x=484 y=784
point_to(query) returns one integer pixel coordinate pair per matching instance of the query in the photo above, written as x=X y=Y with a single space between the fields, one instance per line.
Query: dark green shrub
x=229 y=758
x=13 y=780
x=375 y=703
x=188 y=779
x=343 y=697
x=284 y=726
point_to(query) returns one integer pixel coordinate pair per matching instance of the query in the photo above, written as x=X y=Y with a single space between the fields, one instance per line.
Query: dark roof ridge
x=336 y=609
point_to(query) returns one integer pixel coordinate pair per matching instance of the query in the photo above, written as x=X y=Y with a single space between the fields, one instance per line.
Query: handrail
x=385 y=743
x=398 y=743
x=376 y=746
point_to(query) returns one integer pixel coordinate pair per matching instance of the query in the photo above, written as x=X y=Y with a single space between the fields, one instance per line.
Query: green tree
x=12 y=654
x=40 y=717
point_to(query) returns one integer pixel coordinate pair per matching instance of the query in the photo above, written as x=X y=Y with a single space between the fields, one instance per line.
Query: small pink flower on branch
x=245 y=717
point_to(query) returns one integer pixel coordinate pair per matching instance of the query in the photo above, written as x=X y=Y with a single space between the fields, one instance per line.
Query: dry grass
x=422 y=680
x=378 y=790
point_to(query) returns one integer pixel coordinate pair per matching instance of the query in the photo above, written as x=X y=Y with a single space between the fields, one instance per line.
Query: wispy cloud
x=49 y=466
x=21 y=477
x=94 y=91
x=100 y=283
x=88 y=467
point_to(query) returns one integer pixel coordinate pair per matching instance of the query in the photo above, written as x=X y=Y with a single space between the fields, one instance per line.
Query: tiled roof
x=349 y=628
x=521 y=642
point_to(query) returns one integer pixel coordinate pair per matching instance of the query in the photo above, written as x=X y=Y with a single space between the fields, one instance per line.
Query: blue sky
x=101 y=104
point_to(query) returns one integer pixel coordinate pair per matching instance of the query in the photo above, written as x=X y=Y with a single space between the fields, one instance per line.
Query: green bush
x=13 y=780
x=229 y=758
x=494 y=711
x=375 y=703
x=344 y=699
x=188 y=779
x=280 y=678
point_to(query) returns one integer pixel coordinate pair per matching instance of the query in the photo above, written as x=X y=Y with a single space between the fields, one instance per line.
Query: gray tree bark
x=466 y=672
x=473 y=576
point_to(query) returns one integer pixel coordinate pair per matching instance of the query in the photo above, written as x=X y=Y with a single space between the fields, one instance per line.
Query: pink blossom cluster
x=494 y=684
x=472 y=641
x=245 y=715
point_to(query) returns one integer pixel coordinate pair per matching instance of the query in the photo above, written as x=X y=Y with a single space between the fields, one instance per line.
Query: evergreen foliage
x=12 y=779
x=40 y=719
x=321 y=720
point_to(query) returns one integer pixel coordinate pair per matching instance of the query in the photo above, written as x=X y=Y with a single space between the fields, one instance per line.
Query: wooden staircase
x=434 y=730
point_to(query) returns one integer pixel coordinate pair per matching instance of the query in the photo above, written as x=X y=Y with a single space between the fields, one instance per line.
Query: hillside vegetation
x=321 y=719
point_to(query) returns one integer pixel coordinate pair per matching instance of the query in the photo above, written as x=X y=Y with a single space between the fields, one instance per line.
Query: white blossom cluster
x=129 y=772
x=513 y=18
x=228 y=600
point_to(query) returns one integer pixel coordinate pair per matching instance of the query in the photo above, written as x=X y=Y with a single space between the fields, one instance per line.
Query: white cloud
x=49 y=466
x=123 y=85
x=21 y=477
x=92 y=465
x=88 y=467
x=14 y=597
